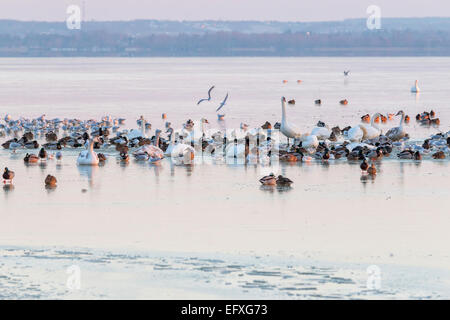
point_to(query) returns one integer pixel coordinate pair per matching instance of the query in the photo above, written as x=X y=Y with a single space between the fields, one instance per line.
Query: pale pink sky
x=283 y=10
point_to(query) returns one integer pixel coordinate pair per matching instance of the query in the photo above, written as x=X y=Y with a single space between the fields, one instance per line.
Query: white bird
x=399 y=132
x=321 y=133
x=88 y=157
x=372 y=131
x=286 y=128
x=356 y=133
x=415 y=88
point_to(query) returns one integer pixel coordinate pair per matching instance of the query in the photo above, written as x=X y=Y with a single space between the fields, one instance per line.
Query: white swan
x=372 y=131
x=356 y=133
x=399 y=132
x=286 y=128
x=310 y=141
x=235 y=150
x=415 y=88
x=88 y=157
x=183 y=153
x=321 y=133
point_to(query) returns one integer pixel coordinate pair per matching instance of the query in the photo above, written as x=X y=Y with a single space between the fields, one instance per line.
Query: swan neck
x=283 y=111
x=403 y=119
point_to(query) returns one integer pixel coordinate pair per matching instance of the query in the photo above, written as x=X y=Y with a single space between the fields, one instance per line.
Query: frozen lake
x=210 y=231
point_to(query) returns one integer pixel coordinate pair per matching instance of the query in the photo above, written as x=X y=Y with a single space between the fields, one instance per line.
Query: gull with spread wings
x=222 y=103
x=209 y=96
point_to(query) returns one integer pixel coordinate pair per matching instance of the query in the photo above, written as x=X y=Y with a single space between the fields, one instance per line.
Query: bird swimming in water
x=346 y=72
x=269 y=180
x=364 y=166
x=8 y=175
x=372 y=170
x=50 y=181
x=209 y=96
x=43 y=154
x=222 y=103
x=283 y=181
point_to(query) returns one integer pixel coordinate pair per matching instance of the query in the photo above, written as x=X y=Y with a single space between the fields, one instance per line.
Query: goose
x=50 y=181
x=399 y=132
x=283 y=181
x=269 y=180
x=8 y=176
x=415 y=88
x=286 y=128
x=88 y=157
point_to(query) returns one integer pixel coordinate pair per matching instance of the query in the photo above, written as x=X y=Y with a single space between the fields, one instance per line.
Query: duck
x=291 y=101
x=376 y=155
x=124 y=157
x=372 y=170
x=439 y=155
x=415 y=88
x=269 y=180
x=31 y=158
x=318 y=102
x=43 y=154
x=364 y=165
x=50 y=181
x=101 y=157
x=31 y=144
x=399 y=132
x=58 y=156
x=406 y=154
x=51 y=137
x=344 y=102
x=283 y=181
x=267 y=126
x=8 y=175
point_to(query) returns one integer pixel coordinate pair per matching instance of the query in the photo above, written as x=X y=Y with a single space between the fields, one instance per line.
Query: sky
x=281 y=10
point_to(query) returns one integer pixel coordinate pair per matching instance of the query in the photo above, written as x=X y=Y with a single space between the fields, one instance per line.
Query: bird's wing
x=224 y=100
x=222 y=103
x=209 y=92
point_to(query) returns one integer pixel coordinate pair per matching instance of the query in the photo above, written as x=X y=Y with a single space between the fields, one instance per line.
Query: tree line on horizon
x=102 y=43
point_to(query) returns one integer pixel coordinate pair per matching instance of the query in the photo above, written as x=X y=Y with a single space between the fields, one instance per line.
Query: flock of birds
x=364 y=142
